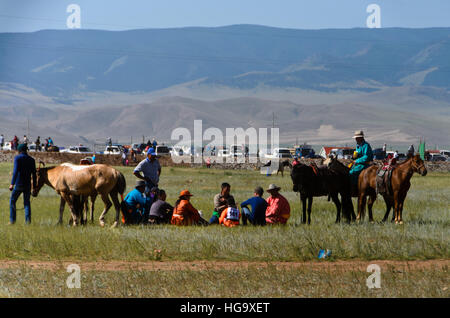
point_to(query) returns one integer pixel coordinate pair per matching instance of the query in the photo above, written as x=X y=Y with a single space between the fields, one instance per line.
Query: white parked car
x=445 y=153
x=223 y=153
x=343 y=153
x=112 y=150
x=77 y=149
x=6 y=146
x=281 y=153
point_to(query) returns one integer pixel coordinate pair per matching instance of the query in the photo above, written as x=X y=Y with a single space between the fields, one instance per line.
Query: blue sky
x=32 y=15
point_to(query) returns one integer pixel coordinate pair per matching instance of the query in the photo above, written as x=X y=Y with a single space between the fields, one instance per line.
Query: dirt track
x=355 y=265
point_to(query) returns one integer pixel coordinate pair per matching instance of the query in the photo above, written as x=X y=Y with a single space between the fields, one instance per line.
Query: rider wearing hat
x=363 y=156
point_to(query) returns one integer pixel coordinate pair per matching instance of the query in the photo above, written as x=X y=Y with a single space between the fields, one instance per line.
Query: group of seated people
x=138 y=208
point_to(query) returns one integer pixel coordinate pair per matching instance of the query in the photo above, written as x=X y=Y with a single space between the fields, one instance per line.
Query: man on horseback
x=363 y=156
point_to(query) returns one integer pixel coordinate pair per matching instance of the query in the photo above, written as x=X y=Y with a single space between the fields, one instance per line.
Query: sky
x=33 y=15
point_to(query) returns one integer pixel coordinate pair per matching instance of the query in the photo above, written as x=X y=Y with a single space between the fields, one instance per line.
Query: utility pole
x=28 y=127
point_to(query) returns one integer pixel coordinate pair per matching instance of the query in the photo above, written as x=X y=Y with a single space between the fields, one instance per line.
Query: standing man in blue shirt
x=363 y=156
x=257 y=216
x=151 y=170
x=24 y=171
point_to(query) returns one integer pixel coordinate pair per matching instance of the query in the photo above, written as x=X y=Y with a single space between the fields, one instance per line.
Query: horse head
x=418 y=165
x=41 y=178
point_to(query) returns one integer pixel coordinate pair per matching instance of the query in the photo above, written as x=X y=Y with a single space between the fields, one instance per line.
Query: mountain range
x=321 y=85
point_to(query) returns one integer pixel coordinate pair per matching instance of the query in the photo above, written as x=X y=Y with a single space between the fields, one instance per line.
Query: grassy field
x=425 y=235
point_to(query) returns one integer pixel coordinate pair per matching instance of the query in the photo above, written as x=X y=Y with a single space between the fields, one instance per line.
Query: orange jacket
x=228 y=223
x=185 y=214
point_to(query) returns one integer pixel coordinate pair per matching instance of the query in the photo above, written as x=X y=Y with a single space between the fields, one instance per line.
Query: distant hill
x=85 y=85
x=66 y=62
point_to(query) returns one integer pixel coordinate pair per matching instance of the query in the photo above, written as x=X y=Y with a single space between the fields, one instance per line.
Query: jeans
x=17 y=191
x=246 y=215
x=214 y=219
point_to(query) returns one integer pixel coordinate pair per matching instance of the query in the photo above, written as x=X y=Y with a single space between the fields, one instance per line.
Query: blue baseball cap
x=151 y=151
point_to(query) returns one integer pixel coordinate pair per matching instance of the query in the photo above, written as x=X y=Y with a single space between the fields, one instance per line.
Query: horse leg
x=361 y=206
x=338 y=205
x=310 y=200
x=303 y=199
x=107 y=204
x=72 y=205
x=115 y=200
x=62 y=204
x=370 y=202
x=93 y=198
x=396 y=208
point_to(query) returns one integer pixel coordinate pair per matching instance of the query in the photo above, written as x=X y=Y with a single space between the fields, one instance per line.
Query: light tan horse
x=73 y=182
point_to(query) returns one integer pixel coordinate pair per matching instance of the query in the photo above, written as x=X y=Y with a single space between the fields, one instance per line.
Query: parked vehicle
x=282 y=153
x=223 y=153
x=162 y=150
x=304 y=151
x=445 y=153
x=7 y=146
x=434 y=157
x=379 y=154
x=343 y=153
x=112 y=150
x=77 y=149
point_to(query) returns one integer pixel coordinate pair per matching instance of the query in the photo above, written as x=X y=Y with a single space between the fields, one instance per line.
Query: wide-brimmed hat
x=359 y=134
x=140 y=183
x=185 y=193
x=273 y=187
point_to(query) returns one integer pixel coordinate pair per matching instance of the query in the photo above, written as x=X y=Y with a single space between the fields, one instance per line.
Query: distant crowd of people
x=26 y=141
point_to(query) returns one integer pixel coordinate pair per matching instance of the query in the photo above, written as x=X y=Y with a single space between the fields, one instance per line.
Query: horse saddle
x=383 y=181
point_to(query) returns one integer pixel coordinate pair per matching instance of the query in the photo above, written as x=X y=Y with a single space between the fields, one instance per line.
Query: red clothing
x=295 y=162
x=278 y=209
x=185 y=214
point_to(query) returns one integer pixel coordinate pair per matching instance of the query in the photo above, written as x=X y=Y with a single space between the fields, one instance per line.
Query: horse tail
x=121 y=185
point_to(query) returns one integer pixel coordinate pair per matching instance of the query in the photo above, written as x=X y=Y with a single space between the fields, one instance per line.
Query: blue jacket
x=259 y=206
x=134 y=198
x=24 y=169
x=365 y=154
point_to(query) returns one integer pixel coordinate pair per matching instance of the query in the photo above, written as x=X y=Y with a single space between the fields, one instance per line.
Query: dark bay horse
x=312 y=181
x=400 y=183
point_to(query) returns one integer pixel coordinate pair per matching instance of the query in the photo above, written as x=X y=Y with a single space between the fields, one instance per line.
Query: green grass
x=249 y=282
x=425 y=234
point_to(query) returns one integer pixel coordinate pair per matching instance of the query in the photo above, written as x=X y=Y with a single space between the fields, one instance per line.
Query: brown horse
x=73 y=182
x=400 y=183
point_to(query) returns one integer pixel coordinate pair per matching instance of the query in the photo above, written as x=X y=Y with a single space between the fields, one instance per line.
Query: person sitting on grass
x=257 y=215
x=230 y=217
x=222 y=201
x=278 y=210
x=135 y=205
x=160 y=211
x=184 y=212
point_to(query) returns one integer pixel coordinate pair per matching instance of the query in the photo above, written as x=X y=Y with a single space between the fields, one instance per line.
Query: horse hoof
x=400 y=222
x=102 y=223
x=114 y=225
